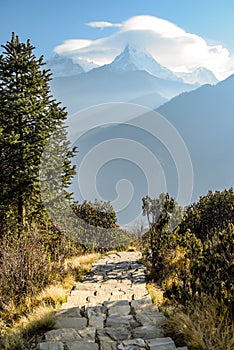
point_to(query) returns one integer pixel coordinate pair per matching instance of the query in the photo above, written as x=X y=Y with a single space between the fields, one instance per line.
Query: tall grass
x=205 y=324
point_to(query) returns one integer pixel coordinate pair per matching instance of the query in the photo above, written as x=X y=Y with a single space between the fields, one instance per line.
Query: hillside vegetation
x=194 y=264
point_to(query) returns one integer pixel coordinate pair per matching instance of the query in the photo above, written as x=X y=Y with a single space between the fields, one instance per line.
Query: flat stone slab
x=71 y=322
x=161 y=344
x=116 y=320
x=66 y=334
x=152 y=318
x=147 y=332
x=97 y=321
x=51 y=346
x=81 y=345
x=71 y=312
x=95 y=311
x=108 y=345
x=120 y=307
x=111 y=333
x=132 y=344
x=88 y=334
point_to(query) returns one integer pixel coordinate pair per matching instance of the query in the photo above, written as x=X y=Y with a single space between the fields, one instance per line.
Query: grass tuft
x=156 y=293
x=204 y=325
x=53 y=295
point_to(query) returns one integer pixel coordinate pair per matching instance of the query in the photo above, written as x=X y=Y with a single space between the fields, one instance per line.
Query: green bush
x=198 y=256
x=212 y=212
x=98 y=213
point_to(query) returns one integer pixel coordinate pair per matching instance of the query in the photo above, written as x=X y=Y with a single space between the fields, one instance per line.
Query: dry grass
x=38 y=321
x=78 y=266
x=156 y=294
x=203 y=325
x=53 y=295
x=41 y=318
x=83 y=260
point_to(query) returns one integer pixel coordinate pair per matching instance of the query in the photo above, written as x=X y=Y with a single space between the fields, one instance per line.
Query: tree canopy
x=28 y=117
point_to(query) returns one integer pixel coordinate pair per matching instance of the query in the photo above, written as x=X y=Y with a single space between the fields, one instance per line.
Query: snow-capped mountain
x=199 y=76
x=63 y=66
x=133 y=59
x=85 y=64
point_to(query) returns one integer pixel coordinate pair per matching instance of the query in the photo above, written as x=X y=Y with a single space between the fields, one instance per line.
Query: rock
x=81 y=345
x=121 y=307
x=132 y=344
x=115 y=321
x=108 y=345
x=88 y=334
x=97 y=321
x=147 y=332
x=151 y=318
x=66 y=334
x=111 y=333
x=71 y=312
x=71 y=322
x=95 y=311
x=161 y=344
x=51 y=346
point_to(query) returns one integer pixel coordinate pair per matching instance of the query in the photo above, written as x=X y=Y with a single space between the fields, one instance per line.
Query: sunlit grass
x=203 y=325
x=16 y=335
x=156 y=293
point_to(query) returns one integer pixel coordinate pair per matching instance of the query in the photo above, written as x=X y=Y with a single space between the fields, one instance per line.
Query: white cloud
x=103 y=25
x=169 y=44
x=72 y=45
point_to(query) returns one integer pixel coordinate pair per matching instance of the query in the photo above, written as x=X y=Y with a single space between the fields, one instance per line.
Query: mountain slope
x=204 y=118
x=102 y=86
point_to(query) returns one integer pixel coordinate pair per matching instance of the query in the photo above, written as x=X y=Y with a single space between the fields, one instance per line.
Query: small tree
x=28 y=117
x=163 y=215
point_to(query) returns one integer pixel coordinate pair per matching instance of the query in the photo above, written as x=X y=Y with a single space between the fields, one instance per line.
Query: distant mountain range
x=202 y=115
x=133 y=76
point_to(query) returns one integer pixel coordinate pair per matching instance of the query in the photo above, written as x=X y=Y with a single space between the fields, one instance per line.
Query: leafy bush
x=212 y=212
x=98 y=213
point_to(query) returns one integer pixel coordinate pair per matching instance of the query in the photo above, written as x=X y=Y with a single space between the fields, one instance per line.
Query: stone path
x=110 y=310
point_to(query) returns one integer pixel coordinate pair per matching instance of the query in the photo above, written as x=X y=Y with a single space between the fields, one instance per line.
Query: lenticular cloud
x=169 y=44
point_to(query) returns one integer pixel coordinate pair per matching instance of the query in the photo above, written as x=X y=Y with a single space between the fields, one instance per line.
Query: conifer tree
x=28 y=117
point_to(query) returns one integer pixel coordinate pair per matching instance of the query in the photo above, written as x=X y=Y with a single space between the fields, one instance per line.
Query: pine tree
x=28 y=117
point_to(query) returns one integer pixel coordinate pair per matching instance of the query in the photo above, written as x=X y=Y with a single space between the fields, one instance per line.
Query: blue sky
x=48 y=23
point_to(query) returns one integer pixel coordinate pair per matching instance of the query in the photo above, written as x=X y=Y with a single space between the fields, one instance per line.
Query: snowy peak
x=63 y=66
x=85 y=64
x=199 y=76
x=133 y=58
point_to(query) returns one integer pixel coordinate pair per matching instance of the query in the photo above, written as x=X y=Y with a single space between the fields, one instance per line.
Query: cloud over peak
x=169 y=44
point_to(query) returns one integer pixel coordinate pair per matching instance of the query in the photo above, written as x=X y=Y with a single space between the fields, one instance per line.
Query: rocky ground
x=110 y=310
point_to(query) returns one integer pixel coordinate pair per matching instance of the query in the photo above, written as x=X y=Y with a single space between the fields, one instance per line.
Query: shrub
x=212 y=212
x=98 y=213
x=24 y=269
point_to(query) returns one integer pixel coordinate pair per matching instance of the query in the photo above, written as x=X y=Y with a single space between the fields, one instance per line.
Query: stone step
x=51 y=346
